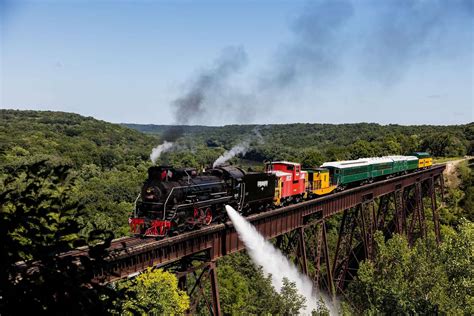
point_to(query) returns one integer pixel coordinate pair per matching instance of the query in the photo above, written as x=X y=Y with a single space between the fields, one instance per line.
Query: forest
x=69 y=181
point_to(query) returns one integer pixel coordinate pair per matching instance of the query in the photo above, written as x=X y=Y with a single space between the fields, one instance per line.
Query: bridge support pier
x=216 y=306
x=200 y=273
x=434 y=209
x=330 y=280
x=302 y=251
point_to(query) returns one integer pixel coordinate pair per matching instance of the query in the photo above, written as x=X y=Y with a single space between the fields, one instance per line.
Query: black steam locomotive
x=175 y=200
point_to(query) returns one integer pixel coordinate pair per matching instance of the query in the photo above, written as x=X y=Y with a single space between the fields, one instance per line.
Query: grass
x=445 y=159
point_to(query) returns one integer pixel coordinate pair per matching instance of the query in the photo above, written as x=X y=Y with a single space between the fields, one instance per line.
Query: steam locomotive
x=174 y=200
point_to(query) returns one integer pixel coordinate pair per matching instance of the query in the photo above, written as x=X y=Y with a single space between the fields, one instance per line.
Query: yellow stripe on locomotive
x=424 y=160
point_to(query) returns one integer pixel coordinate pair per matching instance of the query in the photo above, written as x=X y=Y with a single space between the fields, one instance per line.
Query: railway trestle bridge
x=405 y=205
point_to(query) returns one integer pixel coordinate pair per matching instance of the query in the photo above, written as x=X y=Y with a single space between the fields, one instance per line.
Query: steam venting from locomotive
x=273 y=262
x=239 y=149
x=158 y=150
x=234 y=151
x=199 y=98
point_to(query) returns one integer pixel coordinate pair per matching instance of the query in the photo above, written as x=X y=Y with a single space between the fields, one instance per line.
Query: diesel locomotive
x=174 y=200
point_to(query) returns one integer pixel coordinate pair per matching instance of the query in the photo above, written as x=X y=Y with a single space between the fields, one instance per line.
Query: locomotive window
x=289 y=167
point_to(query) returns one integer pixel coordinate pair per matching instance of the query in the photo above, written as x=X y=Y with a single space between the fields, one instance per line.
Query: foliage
x=240 y=282
x=332 y=142
x=38 y=223
x=108 y=161
x=152 y=292
x=291 y=301
x=46 y=211
x=459 y=200
x=444 y=144
x=423 y=279
x=466 y=176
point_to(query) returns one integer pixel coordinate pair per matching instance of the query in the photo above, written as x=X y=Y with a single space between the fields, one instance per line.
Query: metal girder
x=434 y=209
x=206 y=270
x=302 y=251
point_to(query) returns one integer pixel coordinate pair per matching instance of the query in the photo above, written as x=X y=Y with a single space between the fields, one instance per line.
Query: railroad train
x=174 y=200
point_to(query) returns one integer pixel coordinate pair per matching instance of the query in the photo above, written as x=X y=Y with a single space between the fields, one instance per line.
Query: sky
x=236 y=62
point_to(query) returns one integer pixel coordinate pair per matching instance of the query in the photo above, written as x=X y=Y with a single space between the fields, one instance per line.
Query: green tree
x=311 y=158
x=240 y=282
x=457 y=258
x=38 y=223
x=152 y=292
x=291 y=301
x=362 y=149
x=424 y=279
x=443 y=144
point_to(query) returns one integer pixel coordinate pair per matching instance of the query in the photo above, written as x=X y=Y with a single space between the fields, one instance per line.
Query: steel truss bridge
x=405 y=205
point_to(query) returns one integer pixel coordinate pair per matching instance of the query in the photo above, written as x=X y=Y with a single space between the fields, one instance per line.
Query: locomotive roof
x=398 y=158
x=366 y=161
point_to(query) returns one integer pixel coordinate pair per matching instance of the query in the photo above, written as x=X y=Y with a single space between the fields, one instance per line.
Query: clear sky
x=226 y=62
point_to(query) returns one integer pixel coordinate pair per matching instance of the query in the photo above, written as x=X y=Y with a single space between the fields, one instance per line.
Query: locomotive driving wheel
x=208 y=216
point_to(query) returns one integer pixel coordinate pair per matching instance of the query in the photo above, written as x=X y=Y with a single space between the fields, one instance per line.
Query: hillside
x=109 y=161
x=314 y=143
x=70 y=138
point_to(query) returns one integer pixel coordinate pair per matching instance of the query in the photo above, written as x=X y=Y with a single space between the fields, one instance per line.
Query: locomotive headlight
x=152 y=193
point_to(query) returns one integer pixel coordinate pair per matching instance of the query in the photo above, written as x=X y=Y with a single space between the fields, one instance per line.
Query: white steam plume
x=234 y=151
x=158 y=150
x=273 y=262
x=240 y=148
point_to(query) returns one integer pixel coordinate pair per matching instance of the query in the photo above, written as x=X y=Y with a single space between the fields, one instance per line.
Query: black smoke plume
x=198 y=101
x=404 y=32
x=315 y=49
x=378 y=40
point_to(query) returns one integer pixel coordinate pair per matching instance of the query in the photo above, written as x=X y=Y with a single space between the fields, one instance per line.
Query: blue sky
x=165 y=62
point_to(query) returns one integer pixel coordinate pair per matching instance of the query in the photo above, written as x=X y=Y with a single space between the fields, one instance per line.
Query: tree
x=291 y=301
x=311 y=158
x=443 y=144
x=38 y=223
x=362 y=149
x=424 y=279
x=152 y=292
x=240 y=282
x=457 y=257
